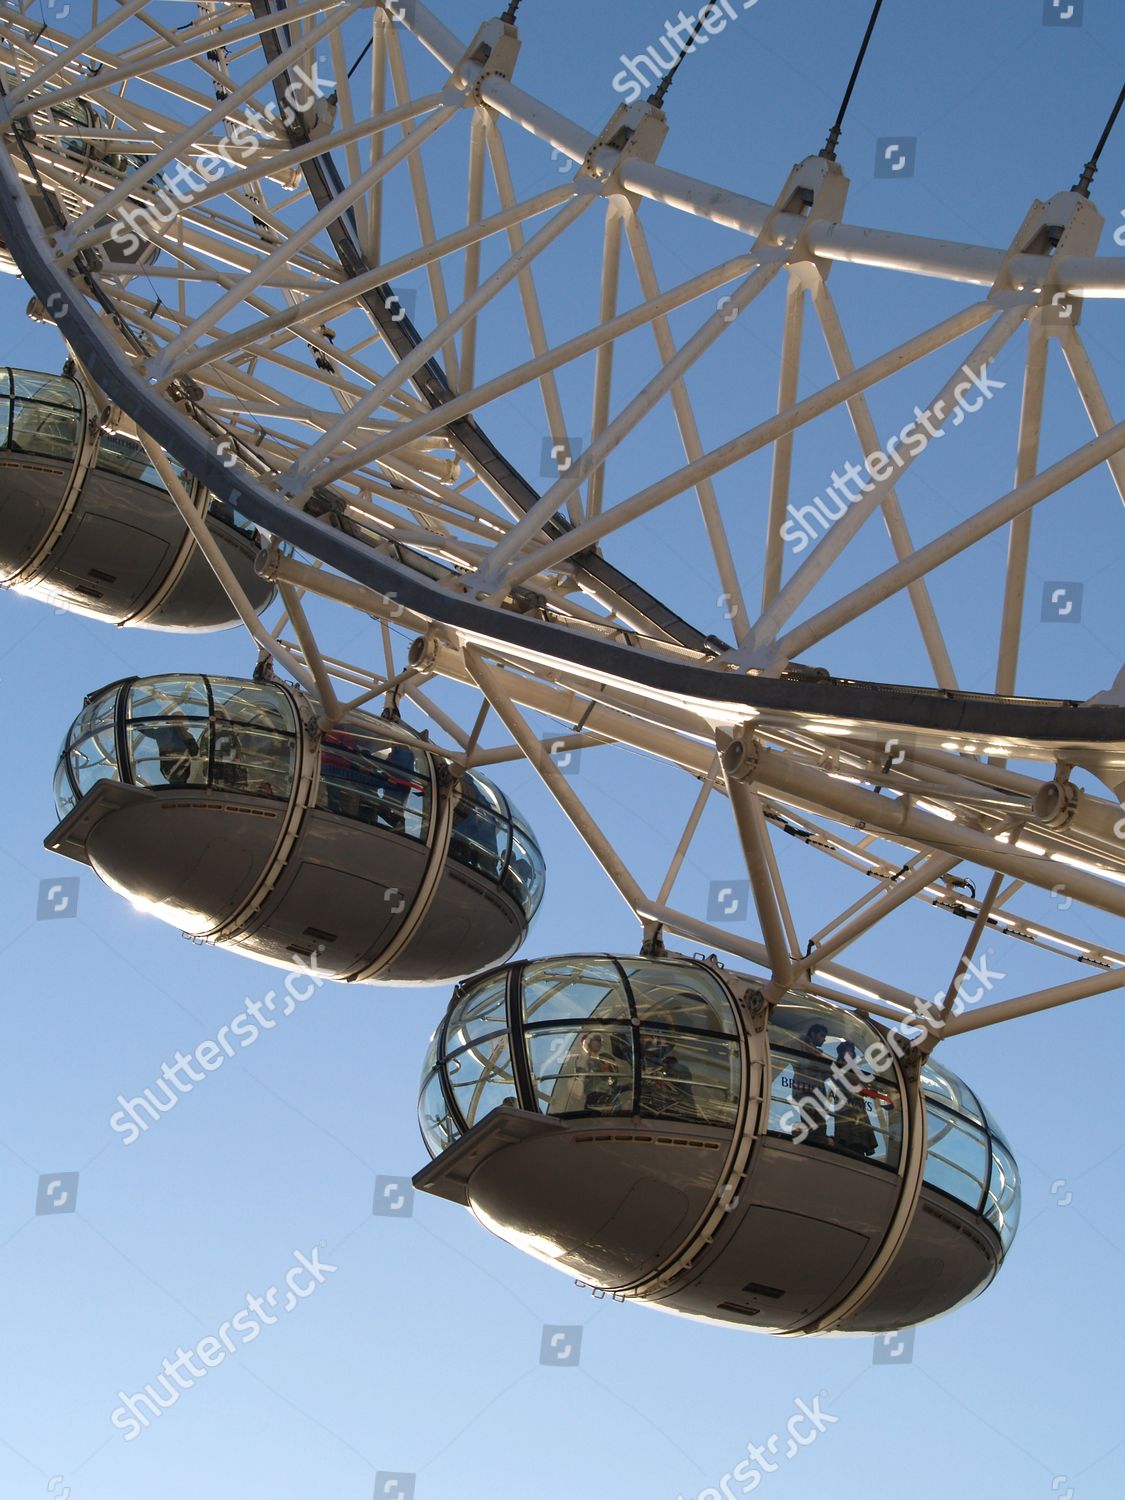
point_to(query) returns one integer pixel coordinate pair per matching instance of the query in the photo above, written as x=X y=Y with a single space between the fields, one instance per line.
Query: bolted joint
x=740 y=756
x=1055 y=803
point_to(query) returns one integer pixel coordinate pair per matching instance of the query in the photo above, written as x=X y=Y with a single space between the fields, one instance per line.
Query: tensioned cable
x=1083 y=184
x=829 y=152
x=658 y=96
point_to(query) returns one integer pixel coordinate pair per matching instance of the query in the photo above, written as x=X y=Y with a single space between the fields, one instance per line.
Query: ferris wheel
x=296 y=374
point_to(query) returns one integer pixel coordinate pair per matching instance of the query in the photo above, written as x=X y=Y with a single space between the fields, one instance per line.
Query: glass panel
x=45 y=430
x=482 y=1079
x=477 y=789
x=679 y=995
x=578 y=1072
x=479 y=839
x=518 y=818
x=997 y=1131
x=165 y=752
x=482 y=1011
x=574 y=990
x=824 y=1090
x=688 y=1077
x=219 y=510
x=169 y=697
x=956 y=1160
x=1002 y=1206
x=526 y=875
x=57 y=389
x=438 y=1129
x=365 y=776
x=254 y=703
x=98 y=711
x=795 y=1017
x=939 y=1083
x=65 y=796
x=5 y=381
x=254 y=761
x=123 y=455
x=94 y=759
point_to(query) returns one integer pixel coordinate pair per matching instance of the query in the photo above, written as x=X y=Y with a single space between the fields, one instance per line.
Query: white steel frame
x=250 y=303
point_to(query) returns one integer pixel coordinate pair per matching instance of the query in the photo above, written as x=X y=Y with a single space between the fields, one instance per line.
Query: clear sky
x=419 y=1355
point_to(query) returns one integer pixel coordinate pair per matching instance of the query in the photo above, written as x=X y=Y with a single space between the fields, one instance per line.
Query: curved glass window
x=577 y=1072
x=118 y=454
x=828 y=1087
x=480 y=1078
x=482 y=1011
x=943 y=1087
x=594 y=1035
x=1002 y=1204
x=41 y=414
x=489 y=839
x=56 y=390
x=569 y=989
x=686 y=999
x=221 y=511
x=197 y=732
x=439 y=1129
x=366 y=775
x=481 y=836
x=967 y=1156
x=526 y=873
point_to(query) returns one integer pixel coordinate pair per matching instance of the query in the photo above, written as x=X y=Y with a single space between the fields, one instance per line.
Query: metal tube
x=752 y=832
x=1019 y=535
x=950 y=544
x=749 y=442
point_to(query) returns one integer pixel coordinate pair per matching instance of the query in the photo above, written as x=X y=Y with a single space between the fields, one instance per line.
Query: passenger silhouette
x=175 y=744
x=667 y=1082
x=397 y=777
x=852 y=1130
x=606 y=1076
x=810 y=1075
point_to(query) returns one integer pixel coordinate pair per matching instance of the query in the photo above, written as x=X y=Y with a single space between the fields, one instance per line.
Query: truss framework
x=267 y=348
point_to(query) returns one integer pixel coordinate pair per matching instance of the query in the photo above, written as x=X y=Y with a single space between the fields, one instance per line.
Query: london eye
x=490 y=454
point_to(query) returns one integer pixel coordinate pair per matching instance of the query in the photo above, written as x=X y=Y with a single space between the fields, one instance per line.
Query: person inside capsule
x=607 y=1074
x=176 y=745
x=851 y=1128
x=810 y=1075
x=666 y=1081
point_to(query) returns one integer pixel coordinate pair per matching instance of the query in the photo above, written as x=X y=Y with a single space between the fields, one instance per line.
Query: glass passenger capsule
x=220 y=806
x=639 y=1124
x=87 y=524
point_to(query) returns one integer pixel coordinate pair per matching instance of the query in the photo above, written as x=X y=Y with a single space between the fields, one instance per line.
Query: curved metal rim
x=952 y=260
x=721 y=692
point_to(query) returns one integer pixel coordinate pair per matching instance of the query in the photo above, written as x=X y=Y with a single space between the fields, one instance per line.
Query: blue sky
x=420 y=1354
